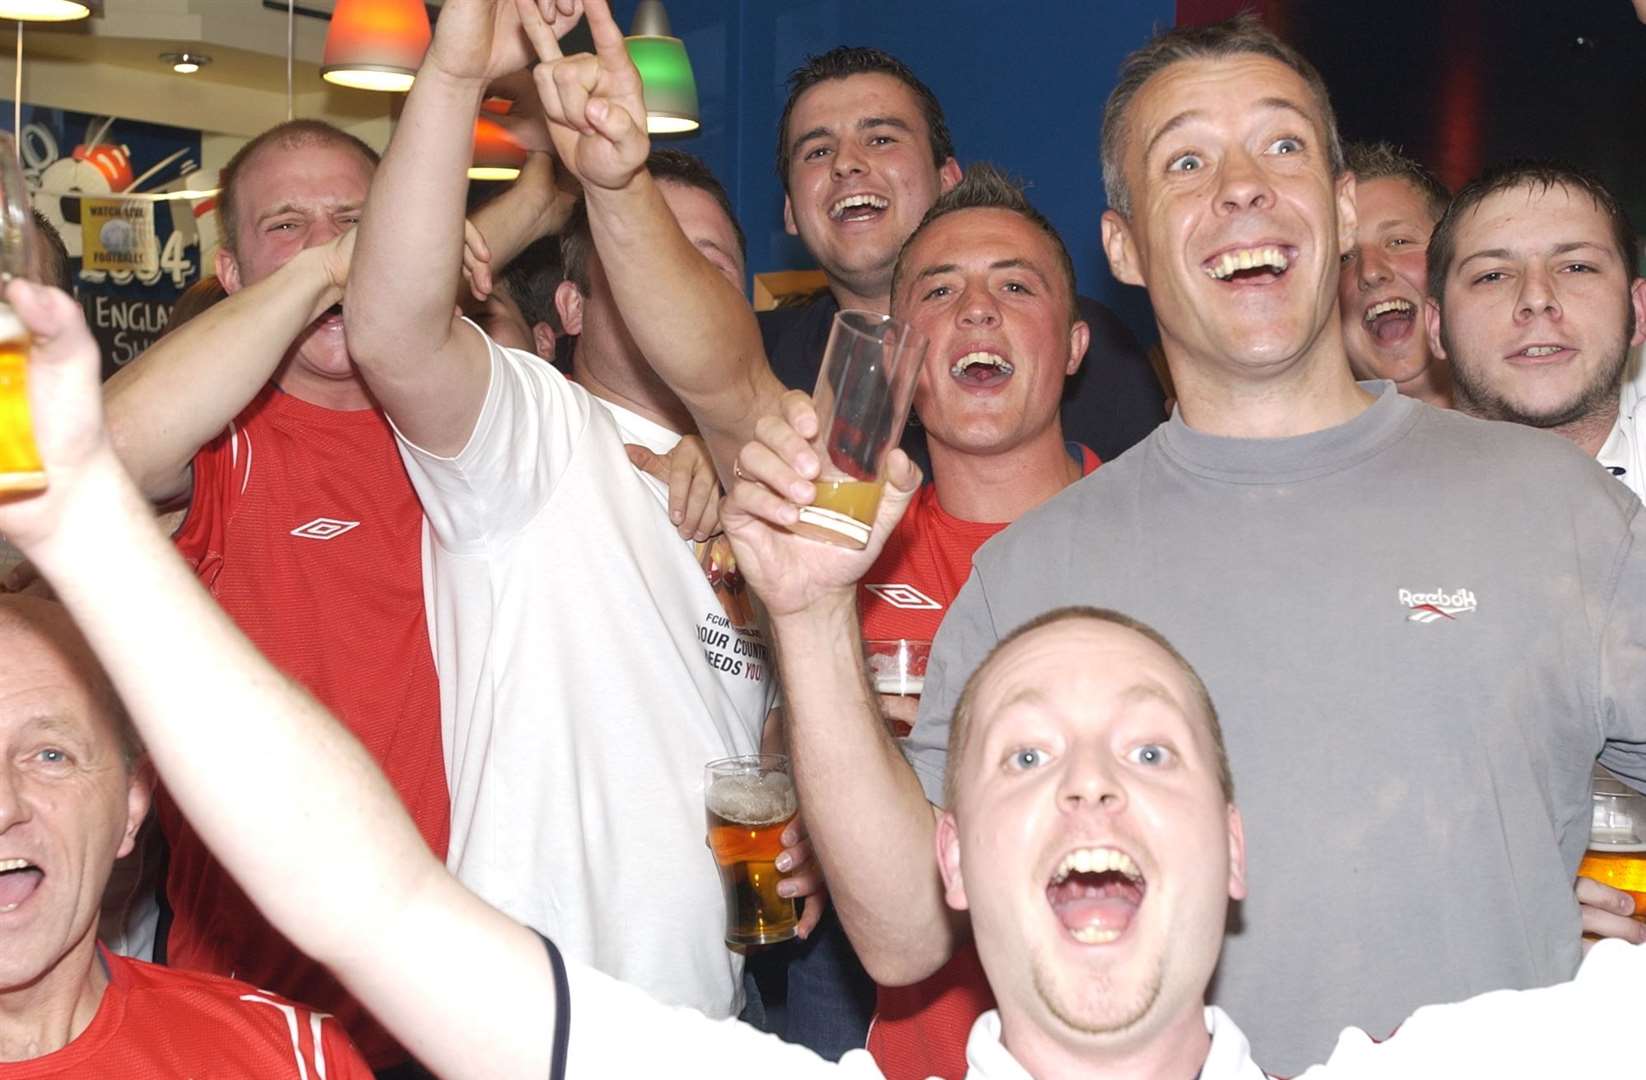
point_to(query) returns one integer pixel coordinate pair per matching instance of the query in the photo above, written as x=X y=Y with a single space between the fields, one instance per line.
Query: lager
x=842 y=512
x=1622 y=867
x=748 y=811
x=20 y=468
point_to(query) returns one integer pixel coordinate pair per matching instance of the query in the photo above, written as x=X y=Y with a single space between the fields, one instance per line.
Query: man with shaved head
x=73 y=792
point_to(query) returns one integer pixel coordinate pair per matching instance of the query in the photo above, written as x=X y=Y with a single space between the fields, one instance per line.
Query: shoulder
x=1515 y=457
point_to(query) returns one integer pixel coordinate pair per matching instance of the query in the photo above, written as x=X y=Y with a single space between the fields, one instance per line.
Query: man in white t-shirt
x=589 y=666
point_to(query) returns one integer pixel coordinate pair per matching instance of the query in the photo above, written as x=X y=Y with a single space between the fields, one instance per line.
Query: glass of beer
x=897 y=667
x=863 y=395
x=20 y=467
x=750 y=802
x=1617 y=839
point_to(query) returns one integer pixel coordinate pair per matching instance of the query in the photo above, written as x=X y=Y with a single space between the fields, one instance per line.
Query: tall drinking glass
x=1617 y=839
x=20 y=467
x=863 y=395
x=750 y=801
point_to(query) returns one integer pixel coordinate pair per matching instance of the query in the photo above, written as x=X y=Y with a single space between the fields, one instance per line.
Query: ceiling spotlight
x=186 y=63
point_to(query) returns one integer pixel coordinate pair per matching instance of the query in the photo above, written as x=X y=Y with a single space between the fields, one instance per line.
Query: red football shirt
x=157 y=1023
x=305 y=527
x=920 y=1031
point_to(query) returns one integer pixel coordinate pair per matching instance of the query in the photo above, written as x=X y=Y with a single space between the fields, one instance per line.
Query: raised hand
x=774 y=479
x=483 y=39
x=595 y=105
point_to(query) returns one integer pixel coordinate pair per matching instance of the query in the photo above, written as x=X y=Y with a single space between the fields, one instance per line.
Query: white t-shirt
x=1590 y=1026
x=1624 y=452
x=587 y=673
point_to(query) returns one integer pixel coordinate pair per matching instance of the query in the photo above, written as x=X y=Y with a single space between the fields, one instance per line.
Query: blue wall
x=1022 y=84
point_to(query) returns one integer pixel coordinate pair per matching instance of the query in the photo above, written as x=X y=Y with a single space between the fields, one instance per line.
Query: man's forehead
x=277 y=164
x=1032 y=669
x=982 y=235
x=1384 y=200
x=1250 y=83
x=862 y=95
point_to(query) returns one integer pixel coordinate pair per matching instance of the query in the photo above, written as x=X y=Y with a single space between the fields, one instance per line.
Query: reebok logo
x=906 y=597
x=1428 y=607
x=323 y=528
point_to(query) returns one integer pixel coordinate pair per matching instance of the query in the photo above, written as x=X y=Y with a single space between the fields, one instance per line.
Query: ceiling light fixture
x=497 y=154
x=186 y=63
x=44 y=10
x=375 y=44
x=665 y=71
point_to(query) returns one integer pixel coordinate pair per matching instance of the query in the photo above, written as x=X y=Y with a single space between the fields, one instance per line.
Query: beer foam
x=753 y=800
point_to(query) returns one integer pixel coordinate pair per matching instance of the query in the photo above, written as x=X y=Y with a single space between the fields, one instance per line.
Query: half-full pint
x=750 y=802
x=20 y=468
x=1621 y=868
x=1617 y=839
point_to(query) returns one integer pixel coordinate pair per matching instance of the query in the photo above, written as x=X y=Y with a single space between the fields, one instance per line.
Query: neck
x=46 y=1015
x=862 y=296
x=1589 y=433
x=1001 y=487
x=631 y=383
x=1312 y=394
x=1175 y=1052
x=339 y=395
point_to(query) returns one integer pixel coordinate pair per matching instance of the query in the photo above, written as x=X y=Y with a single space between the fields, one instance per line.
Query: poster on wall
x=104 y=184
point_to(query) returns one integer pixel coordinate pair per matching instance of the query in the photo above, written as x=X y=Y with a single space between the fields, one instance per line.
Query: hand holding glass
x=1617 y=840
x=750 y=801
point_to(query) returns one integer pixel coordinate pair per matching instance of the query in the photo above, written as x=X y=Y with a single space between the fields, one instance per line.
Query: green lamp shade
x=671 y=92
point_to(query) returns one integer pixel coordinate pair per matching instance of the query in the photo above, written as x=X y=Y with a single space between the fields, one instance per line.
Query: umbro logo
x=905 y=596
x=1428 y=607
x=323 y=528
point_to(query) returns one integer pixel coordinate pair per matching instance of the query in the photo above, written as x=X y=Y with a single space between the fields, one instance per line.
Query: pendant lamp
x=43 y=10
x=375 y=44
x=497 y=156
x=665 y=70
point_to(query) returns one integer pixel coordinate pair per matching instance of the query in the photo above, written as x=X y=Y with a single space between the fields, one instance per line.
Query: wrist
x=435 y=79
x=95 y=502
x=825 y=616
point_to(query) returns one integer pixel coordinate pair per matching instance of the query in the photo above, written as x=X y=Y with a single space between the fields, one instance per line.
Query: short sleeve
x=1623 y=660
x=963 y=640
x=529 y=428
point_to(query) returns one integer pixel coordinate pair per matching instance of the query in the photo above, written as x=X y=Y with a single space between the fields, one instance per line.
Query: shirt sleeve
x=342 y=1060
x=963 y=640
x=1587 y=1027
x=531 y=424
x=1623 y=660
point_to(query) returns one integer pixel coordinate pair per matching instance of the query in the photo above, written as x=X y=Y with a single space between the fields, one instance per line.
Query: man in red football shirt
x=73 y=791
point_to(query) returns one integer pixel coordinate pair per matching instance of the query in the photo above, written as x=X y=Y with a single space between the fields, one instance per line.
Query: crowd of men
x=1259 y=736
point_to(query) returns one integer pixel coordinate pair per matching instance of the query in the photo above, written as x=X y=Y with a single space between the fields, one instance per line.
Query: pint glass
x=897 y=667
x=1617 y=840
x=863 y=394
x=750 y=802
x=20 y=468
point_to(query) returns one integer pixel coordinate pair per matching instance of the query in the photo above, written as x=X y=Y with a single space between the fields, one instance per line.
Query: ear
x=788 y=218
x=1080 y=338
x=1237 y=855
x=1118 y=246
x=543 y=339
x=948 y=861
x=228 y=270
x=568 y=301
x=1431 y=324
x=139 y=793
x=1637 y=298
x=948 y=175
x=1348 y=216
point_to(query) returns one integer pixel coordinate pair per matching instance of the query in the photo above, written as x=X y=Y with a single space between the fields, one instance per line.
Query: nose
x=322 y=230
x=1091 y=781
x=1242 y=185
x=1537 y=295
x=1371 y=269
x=13 y=808
x=848 y=161
x=977 y=308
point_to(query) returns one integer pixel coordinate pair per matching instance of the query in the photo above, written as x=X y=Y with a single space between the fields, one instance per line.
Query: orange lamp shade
x=497 y=156
x=375 y=44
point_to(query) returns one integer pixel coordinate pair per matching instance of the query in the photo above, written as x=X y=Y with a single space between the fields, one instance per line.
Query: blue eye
x=1150 y=754
x=1185 y=163
x=1287 y=145
x=1026 y=758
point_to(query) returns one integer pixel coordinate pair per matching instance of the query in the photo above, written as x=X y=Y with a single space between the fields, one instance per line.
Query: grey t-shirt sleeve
x=1623 y=661
x=963 y=640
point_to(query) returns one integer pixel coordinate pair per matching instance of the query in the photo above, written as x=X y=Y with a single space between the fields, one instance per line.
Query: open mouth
x=1250 y=266
x=861 y=207
x=18 y=880
x=1391 y=321
x=1541 y=352
x=1095 y=893
x=981 y=369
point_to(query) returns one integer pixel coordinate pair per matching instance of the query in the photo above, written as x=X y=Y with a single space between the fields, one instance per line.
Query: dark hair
x=196 y=300
x=1383 y=160
x=848 y=60
x=530 y=280
x=54 y=254
x=1242 y=35
x=1539 y=176
x=960 y=726
x=986 y=187
x=671 y=166
x=289 y=135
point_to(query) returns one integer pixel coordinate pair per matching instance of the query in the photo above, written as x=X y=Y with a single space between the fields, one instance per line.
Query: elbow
x=904 y=959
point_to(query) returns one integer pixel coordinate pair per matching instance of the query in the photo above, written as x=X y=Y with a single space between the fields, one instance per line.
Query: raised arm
x=870 y=824
x=337 y=865
x=429 y=372
x=690 y=320
x=537 y=204
x=176 y=397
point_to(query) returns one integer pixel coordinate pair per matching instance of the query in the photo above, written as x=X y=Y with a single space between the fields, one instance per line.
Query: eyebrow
x=823 y=131
x=998 y=264
x=1188 y=116
x=56 y=725
x=294 y=208
x=1559 y=249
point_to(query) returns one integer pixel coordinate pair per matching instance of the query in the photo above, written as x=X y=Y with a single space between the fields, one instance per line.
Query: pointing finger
x=538 y=31
x=608 y=39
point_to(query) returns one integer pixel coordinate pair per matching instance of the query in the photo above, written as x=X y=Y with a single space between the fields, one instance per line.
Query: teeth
x=14 y=864
x=994 y=360
x=1096 y=861
x=851 y=201
x=1094 y=935
x=1540 y=350
x=1247 y=259
x=1387 y=305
